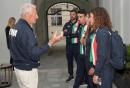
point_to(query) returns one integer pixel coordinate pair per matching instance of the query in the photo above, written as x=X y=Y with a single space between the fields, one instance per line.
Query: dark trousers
x=81 y=74
x=106 y=76
x=11 y=60
x=90 y=82
x=71 y=54
x=90 y=78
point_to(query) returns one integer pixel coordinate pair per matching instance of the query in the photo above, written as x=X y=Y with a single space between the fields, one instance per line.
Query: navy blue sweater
x=68 y=33
x=24 y=47
x=103 y=50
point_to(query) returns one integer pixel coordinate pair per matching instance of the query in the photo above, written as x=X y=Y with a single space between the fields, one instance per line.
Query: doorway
x=57 y=15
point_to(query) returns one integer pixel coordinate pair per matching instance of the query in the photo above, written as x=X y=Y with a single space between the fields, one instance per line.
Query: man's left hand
x=95 y=79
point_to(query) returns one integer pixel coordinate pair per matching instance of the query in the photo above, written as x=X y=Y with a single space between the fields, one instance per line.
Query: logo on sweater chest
x=13 y=32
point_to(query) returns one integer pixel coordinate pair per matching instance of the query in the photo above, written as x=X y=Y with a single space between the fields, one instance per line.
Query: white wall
x=8 y=8
x=118 y=10
x=120 y=15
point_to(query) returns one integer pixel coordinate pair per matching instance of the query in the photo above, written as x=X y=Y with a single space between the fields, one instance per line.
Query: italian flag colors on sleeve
x=74 y=29
x=93 y=50
x=83 y=31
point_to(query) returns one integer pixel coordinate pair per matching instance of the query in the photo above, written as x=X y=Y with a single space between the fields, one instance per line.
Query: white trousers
x=27 y=79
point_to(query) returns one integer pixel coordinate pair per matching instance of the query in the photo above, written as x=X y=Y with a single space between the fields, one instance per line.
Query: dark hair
x=74 y=10
x=82 y=11
x=101 y=18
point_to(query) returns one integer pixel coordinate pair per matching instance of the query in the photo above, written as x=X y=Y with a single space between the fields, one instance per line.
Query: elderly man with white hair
x=24 y=47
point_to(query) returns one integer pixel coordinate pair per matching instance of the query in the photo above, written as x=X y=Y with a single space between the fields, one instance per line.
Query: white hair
x=26 y=8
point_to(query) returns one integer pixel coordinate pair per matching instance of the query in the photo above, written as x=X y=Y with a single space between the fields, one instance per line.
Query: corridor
x=53 y=69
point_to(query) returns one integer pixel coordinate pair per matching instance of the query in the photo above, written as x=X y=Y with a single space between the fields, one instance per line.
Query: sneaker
x=83 y=85
x=70 y=78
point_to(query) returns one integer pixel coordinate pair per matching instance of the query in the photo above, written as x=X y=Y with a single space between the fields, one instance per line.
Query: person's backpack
x=117 y=58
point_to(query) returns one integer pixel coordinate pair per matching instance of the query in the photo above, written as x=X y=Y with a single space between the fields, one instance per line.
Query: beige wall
x=65 y=18
x=120 y=15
